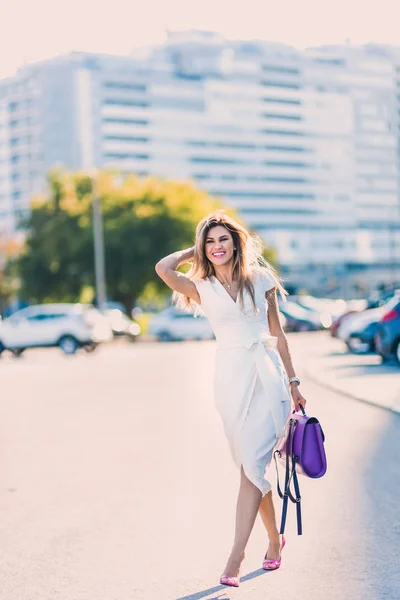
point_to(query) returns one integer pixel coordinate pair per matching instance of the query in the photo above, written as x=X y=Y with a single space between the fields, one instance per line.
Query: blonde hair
x=247 y=258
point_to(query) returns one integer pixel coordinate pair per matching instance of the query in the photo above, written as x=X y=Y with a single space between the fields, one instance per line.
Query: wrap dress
x=251 y=388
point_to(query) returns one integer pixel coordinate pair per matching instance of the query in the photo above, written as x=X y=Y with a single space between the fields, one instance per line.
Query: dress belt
x=262 y=347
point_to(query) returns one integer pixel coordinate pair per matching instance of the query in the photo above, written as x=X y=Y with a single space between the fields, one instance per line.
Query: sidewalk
x=361 y=377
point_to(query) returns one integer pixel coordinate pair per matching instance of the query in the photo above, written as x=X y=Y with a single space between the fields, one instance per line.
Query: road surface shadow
x=222 y=588
x=367 y=369
x=382 y=493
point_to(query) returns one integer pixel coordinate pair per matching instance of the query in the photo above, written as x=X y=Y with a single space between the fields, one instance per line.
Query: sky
x=33 y=30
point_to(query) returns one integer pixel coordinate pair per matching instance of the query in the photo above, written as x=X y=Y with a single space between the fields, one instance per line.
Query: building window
x=126 y=138
x=282 y=132
x=125 y=121
x=179 y=104
x=286 y=70
x=227 y=145
x=125 y=155
x=331 y=61
x=280 y=211
x=287 y=148
x=119 y=85
x=216 y=161
x=281 y=101
x=281 y=84
x=263 y=195
x=291 y=165
x=120 y=102
x=282 y=117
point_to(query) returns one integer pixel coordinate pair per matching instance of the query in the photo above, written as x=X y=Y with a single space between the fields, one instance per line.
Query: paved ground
x=117 y=484
x=362 y=376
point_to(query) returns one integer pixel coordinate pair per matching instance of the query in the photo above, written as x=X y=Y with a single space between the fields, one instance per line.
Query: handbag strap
x=290 y=473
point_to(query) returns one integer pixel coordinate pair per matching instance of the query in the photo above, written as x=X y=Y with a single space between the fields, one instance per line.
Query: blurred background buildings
x=304 y=144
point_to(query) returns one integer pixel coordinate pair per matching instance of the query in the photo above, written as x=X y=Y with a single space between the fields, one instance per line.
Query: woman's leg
x=267 y=513
x=247 y=506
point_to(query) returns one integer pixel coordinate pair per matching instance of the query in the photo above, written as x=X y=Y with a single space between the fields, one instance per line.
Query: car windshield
x=394 y=301
x=294 y=310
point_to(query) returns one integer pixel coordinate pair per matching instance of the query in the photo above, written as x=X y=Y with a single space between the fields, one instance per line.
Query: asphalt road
x=117 y=484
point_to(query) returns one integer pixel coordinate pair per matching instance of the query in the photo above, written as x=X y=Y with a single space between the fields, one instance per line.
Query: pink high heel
x=232 y=581
x=270 y=564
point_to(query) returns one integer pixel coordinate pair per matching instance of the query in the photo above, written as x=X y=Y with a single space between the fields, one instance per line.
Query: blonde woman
x=255 y=383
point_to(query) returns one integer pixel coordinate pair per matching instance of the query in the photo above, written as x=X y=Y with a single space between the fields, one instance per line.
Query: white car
x=69 y=326
x=172 y=325
x=358 y=321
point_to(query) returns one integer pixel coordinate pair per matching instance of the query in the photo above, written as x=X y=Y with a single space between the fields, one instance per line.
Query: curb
x=337 y=390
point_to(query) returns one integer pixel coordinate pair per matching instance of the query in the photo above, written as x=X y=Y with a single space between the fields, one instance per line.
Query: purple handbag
x=302 y=452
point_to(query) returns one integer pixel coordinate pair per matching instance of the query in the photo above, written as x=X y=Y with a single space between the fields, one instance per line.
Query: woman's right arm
x=166 y=270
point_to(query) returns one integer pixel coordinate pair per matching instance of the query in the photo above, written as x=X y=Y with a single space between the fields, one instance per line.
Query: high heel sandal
x=271 y=564
x=232 y=581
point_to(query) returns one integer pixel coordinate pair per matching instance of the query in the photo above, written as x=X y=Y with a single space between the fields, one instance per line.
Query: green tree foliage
x=143 y=219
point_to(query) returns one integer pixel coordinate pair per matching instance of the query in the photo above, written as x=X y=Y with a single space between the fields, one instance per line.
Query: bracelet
x=294 y=380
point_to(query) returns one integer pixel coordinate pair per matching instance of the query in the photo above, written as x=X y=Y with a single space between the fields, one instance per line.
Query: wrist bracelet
x=293 y=380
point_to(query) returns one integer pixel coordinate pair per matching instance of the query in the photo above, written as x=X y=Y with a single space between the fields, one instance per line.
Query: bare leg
x=267 y=513
x=247 y=506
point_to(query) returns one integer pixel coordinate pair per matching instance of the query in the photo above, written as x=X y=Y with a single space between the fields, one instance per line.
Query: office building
x=304 y=144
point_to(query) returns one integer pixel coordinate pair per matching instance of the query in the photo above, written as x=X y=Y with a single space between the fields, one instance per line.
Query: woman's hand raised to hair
x=175 y=260
x=187 y=255
x=167 y=267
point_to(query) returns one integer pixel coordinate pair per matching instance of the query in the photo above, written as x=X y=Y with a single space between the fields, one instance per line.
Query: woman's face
x=219 y=246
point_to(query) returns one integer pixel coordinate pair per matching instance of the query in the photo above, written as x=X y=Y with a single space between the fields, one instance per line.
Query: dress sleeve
x=267 y=280
x=199 y=308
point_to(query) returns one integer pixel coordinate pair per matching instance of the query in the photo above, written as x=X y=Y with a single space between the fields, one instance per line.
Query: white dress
x=251 y=389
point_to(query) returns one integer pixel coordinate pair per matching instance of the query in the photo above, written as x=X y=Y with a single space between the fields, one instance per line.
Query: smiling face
x=219 y=246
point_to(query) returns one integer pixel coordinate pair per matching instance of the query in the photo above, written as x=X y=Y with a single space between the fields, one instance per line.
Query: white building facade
x=305 y=145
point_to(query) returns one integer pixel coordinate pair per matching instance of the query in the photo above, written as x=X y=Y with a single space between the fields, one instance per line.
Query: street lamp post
x=98 y=242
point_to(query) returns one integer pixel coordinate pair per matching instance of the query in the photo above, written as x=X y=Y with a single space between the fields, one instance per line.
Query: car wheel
x=398 y=351
x=2 y=348
x=90 y=347
x=68 y=344
x=165 y=336
x=17 y=351
x=357 y=346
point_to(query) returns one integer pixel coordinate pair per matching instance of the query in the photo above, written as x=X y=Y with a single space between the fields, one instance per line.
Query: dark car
x=387 y=338
x=298 y=318
x=363 y=340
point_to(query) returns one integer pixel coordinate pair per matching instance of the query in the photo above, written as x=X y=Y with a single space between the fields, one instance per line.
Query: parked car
x=69 y=326
x=359 y=330
x=173 y=325
x=355 y=323
x=298 y=318
x=362 y=339
x=352 y=307
x=121 y=324
x=387 y=338
x=328 y=308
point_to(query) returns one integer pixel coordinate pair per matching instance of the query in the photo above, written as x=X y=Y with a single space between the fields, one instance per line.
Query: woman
x=236 y=289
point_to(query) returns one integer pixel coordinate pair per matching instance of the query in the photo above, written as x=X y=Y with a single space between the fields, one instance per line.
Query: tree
x=144 y=219
x=10 y=247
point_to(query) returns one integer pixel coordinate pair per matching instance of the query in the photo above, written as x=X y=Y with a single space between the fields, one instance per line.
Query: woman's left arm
x=276 y=330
